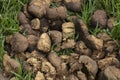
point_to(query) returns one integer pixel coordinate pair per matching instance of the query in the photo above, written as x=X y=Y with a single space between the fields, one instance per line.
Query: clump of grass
x=67 y=51
x=53 y=5
x=108 y=5
x=95 y=31
x=87 y=10
x=2 y=39
x=112 y=7
x=116 y=31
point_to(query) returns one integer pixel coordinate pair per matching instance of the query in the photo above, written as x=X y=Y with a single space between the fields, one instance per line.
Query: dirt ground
x=56 y=46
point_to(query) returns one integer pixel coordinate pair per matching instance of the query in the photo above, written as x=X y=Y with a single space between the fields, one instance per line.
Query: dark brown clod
x=54 y=59
x=32 y=40
x=10 y=64
x=56 y=36
x=105 y=37
x=44 y=25
x=22 y=18
x=110 y=61
x=90 y=64
x=59 y=77
x=70 y=43
x=38 y=7
x=98 y=54
x=81 y=27
x=63 y=69
x=90 y=40
x=74 y=5
x=36 y=12
x=27 y=29
x=93 y=42
x=75 y=67
x=110 y=73
x=99 y=18
x=81 y=48
x=25 y=11
x=56 y=13
x=81 y=75
x=110 y=46
x=56 y=25
x=72 y=77
x=19 y=43
x=2 y=77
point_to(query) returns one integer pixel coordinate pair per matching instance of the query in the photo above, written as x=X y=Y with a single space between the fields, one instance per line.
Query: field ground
x=9 y=23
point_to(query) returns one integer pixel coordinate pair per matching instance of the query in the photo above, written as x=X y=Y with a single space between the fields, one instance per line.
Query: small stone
x=44 y=43
x=35 y=23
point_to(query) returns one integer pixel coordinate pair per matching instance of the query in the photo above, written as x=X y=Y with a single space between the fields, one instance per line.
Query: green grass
x=116 y=31
x=108 y=5
x=8 y=20
x=112 y=7
x=87 y=10
x=67 y=51
x=1 y=49
x=95 y=30
x=54 y=5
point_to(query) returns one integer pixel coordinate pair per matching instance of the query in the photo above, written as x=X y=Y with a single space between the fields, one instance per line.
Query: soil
x=46 y=36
